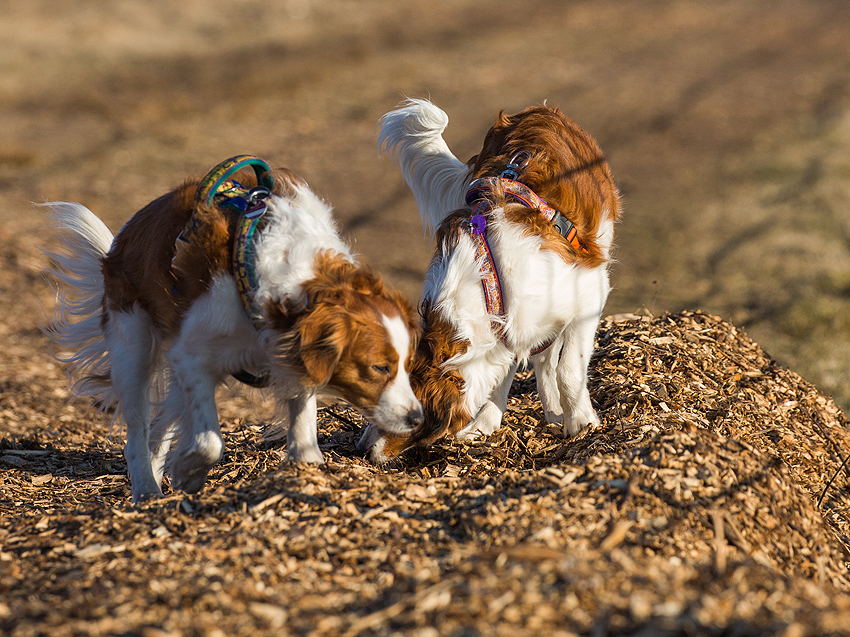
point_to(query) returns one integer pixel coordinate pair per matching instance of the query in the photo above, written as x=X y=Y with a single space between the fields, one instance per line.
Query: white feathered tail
x=82 y=240
x=412 y=134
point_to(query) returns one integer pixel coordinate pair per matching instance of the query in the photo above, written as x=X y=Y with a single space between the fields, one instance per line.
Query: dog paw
x=371 y=434
x=376 y=453
x=371 y=444
x=488 y=421
x=579 y=421
x=145 y=486
x=146 y=494
x=190 y=466
x=305 y=454
x=191 y=481
x=380 y=447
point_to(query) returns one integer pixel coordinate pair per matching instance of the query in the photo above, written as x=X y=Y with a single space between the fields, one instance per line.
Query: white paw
x=371 y=434
x=488 y=421
x=371 y=444
x=376 y=452
x=553 y=418
x=579 y=420
x=189 y=480
x=145 y=485
x=190 y=466
x=305 y=454
x=146 y=492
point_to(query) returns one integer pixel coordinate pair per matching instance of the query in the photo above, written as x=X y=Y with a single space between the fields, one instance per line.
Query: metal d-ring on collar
x=517 y=162
x=477 y=223
x=250 y=204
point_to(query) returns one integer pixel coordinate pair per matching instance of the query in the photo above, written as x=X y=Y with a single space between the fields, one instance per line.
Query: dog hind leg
x=164 y=429
x=546 y=372
x=132 y=352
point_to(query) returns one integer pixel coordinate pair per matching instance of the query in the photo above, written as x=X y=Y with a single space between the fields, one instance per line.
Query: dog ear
x=323 y=335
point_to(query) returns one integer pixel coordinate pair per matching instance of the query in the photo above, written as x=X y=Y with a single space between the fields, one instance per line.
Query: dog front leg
x=489 y=418
x=200 y=444
x=303 y=438
x=572 y=375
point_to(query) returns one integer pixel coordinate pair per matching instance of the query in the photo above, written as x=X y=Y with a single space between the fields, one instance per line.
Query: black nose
x=415 y=418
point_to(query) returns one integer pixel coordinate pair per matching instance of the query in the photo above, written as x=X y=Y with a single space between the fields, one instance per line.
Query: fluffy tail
x=413 y=135
x=75 y=259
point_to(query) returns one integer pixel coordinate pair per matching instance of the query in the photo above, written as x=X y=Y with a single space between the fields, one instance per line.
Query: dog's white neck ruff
x=298 y=228
x=271 y=262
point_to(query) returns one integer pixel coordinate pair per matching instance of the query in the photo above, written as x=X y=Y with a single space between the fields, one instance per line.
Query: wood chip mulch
x=714 y=499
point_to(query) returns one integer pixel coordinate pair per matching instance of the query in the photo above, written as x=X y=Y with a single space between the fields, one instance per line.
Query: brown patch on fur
x=438 y=389
x=337 y=339
x=138 y=267
x=566 y=168
x=145 y=265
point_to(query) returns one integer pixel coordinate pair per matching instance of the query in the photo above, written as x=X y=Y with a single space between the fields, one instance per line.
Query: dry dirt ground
x=712 y=499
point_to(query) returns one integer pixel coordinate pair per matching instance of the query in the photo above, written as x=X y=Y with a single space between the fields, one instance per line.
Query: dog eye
x=381 y=369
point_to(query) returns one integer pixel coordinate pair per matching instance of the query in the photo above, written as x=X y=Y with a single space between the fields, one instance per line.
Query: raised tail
x=75 y=259
x=413 y=134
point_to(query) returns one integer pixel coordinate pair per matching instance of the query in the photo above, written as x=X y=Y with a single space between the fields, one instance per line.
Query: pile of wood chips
x=712 y=500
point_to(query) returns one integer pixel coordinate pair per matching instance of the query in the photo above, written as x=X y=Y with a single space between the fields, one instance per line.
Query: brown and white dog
x=160 y=306
x=523 y=264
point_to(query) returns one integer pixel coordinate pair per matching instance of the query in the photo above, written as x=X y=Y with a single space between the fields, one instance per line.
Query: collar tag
x=478 y=224
x=255 y=210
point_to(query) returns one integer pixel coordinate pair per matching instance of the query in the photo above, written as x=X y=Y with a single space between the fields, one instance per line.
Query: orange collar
x=482 y=189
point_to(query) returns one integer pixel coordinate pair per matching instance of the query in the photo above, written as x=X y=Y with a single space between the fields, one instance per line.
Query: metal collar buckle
x=517 y=162
x=250 y=204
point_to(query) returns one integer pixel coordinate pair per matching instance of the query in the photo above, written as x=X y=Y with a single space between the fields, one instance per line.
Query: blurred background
x=726 y=123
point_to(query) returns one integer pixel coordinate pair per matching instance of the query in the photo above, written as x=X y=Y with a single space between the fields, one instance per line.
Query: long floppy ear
x=323 y=334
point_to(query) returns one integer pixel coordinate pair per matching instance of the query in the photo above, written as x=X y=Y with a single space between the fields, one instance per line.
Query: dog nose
x=415 y=418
